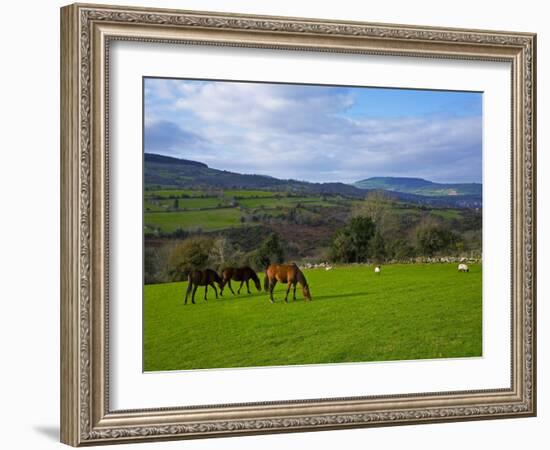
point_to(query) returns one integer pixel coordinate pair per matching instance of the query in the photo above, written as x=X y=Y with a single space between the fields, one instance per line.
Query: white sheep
x=377 y=269
x=463 y=268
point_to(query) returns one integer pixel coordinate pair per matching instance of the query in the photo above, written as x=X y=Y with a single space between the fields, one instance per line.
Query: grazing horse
x=242 y=274
x=285 y=273
x=204 y=278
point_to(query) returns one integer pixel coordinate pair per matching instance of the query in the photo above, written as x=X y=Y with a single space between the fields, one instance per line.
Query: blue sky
x=316 y=133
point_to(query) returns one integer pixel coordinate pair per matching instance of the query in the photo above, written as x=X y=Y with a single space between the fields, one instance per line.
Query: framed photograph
x=278 y=224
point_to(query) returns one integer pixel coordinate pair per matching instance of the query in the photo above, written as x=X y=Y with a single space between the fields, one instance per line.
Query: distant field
x=406 y=312
x=281 y=202
x=237 y=193
x=446 y=213
x=183 y=203
x=246 y=193
x=215 y=214
x=213 y=219
x=167 y=193
x=161 y=213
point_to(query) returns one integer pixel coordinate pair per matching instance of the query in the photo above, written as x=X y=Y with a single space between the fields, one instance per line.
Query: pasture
x=167 y=210
x=212 y=219
x=416 y=311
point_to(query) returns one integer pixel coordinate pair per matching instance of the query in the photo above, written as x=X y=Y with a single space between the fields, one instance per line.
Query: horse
x=204 y=278
x=242 y=274
x=285 y=273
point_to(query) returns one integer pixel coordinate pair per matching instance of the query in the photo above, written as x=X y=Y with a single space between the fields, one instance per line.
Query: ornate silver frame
x=86 y=31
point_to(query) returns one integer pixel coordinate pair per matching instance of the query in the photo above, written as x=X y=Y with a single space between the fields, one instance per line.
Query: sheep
x=463 y=267
x=377 y=269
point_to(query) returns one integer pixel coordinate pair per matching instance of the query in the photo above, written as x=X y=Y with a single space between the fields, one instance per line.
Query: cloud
x=167 y=137
x=306 y=132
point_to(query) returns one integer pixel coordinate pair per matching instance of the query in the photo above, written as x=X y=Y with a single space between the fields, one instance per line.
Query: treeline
x=378 y=232
x=375 y=230
x=173 y=261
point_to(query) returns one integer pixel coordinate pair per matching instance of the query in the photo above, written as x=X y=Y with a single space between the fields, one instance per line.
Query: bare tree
x=377 y=207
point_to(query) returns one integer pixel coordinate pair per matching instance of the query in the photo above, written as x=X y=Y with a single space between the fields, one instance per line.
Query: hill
x=168 y=172
x=419 y=186
x=161 y=159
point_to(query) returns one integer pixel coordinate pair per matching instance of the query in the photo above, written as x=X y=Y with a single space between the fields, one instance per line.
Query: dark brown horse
x=285 y=273
x=242 y=274
x=204 y=278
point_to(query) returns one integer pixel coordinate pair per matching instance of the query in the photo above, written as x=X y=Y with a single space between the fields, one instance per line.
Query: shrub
x=191 y=254
x=351 y=243
x=435 y=238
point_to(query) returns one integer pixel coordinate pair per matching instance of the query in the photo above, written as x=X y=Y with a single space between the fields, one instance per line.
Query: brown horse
x=204 y=278
x=285 y=273
x=242 y=274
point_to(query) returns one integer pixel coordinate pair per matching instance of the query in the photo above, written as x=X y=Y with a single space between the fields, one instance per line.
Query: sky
x=316 y=133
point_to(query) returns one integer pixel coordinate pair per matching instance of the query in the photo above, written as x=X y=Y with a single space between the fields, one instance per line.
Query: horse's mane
x=253 y=275
x=300 y=276
x=215 y=274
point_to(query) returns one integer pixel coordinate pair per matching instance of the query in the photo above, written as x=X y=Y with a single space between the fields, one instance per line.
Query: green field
x=407 y=312
x=237 y=193
x=183 y=203
x=281 y=202
x=213 y=219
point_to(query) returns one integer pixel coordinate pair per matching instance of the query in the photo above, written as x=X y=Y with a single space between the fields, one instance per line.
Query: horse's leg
x=247 y=287
x=287 y=291
x=189 y=289
x=221 y=287
x=240 y=287
x=272 y=284
x=205 y=291
x=215 y=290
x=193 y=295
x=294 y=293
x=230 y=288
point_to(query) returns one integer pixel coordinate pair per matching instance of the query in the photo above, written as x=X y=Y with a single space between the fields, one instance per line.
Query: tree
x=176 y=204
x=376 y=206
x=191 y=254
x=269 y=251
x=351 y=243
x=220 y=253
x=401 y=249
x=432 y=239
x=378 y=247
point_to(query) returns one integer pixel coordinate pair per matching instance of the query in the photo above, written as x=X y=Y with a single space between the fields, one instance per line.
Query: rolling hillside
x=419 y=186
x=173 y=173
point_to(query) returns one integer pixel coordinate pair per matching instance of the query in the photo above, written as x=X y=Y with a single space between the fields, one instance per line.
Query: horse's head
x=302 y=280
x=257 y=284
x=305 y=290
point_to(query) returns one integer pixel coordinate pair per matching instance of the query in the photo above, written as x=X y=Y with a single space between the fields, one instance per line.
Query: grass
x=237 y=193
x=159 y=213
x=249 y=193
x=183 y=203
x=406 y=312
x=281 y=202
x=167 y=193
x=448 y=214
x=214 y=219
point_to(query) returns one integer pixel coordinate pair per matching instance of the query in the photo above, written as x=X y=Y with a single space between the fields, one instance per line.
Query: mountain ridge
x=419 y=186
x=168 y=171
